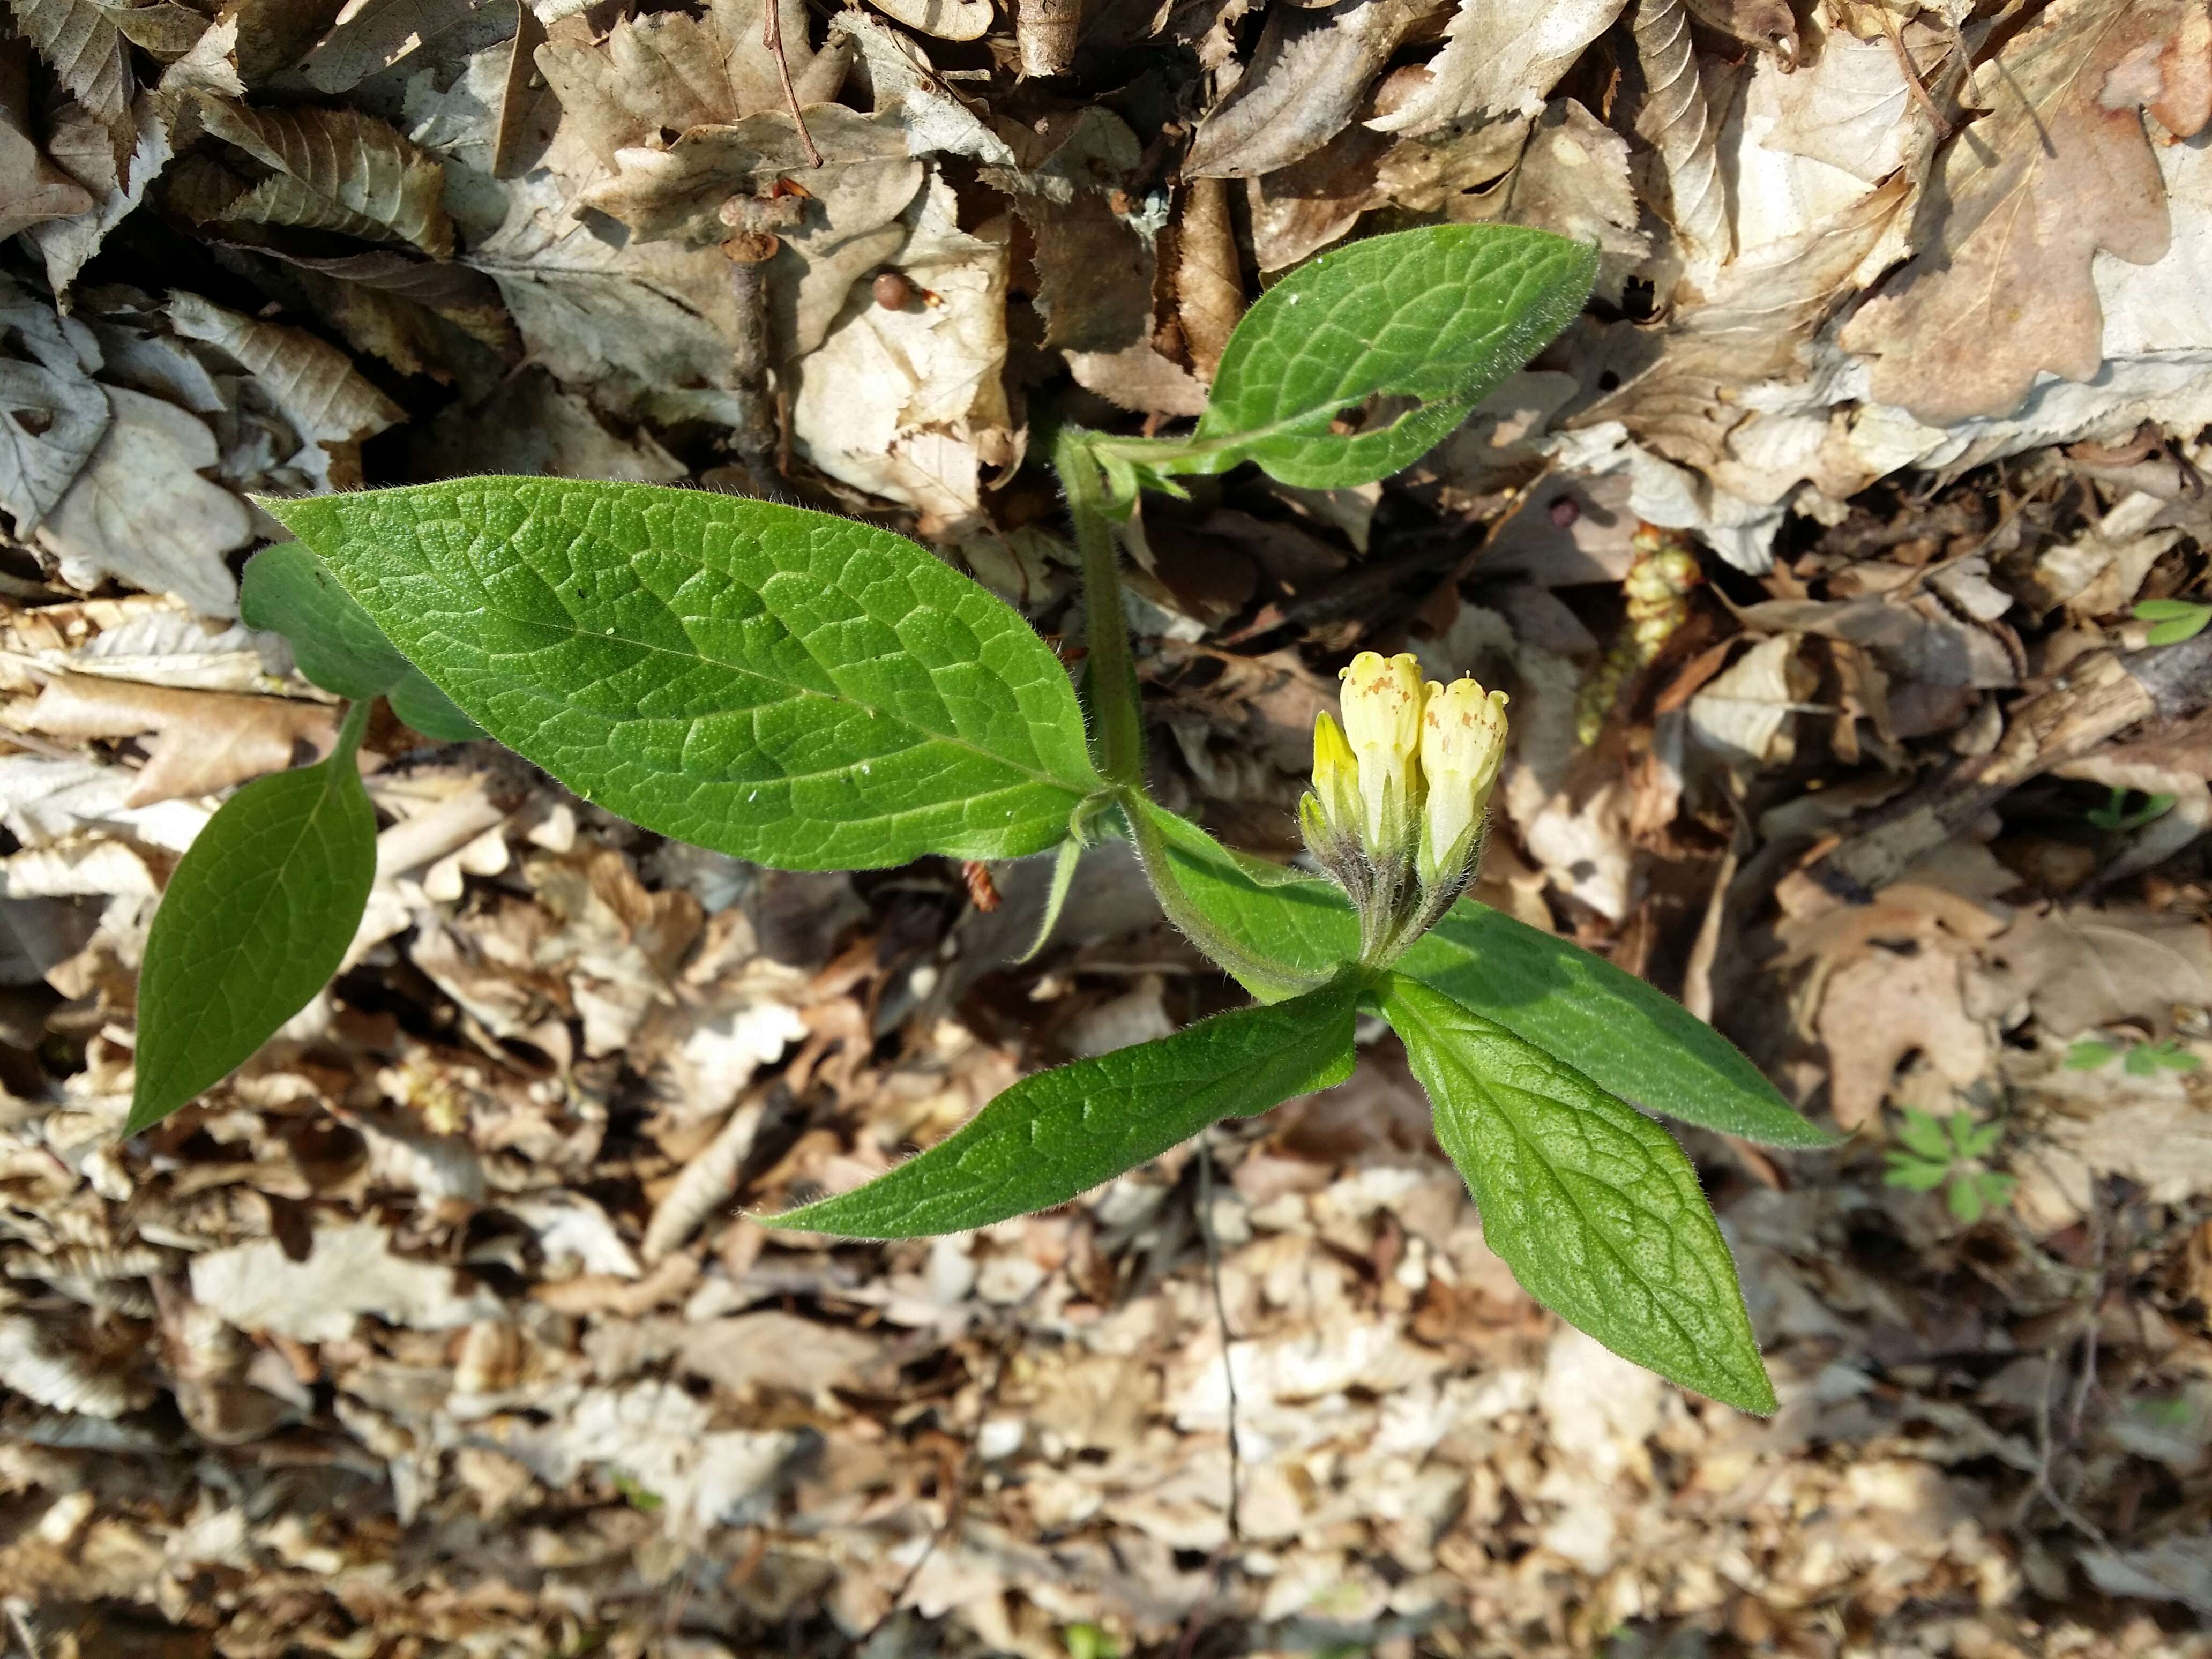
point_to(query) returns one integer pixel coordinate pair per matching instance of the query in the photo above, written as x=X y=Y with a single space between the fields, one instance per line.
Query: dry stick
x=1912 y=84
x=772 y=38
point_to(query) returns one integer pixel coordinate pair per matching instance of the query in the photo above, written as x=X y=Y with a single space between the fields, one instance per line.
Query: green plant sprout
x=810 y=693
x=2173 y=620
x=1950 y=1149
x=2114 y=814
x=2143 y=1059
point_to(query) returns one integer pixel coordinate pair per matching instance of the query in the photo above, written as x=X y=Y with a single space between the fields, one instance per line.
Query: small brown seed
x=892 y=291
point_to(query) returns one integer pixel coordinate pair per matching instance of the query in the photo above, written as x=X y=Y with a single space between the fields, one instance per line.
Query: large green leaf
x=288 y=590
x=1057 y=1134
x=1589 y=1202
x=1634 y=1040
x=1438 y=316
x=256 y=920
x=784 y=685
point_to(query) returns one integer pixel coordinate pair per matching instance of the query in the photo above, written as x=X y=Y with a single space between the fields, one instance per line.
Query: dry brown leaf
x=1500 y=57
x=2025 y=199
x=1686 y=132
x=2084 y=967
x=1743 y=714
x=370 y=35
x=52 y=420
x=1308 y=75
x=204 y=741
x=1094 y=268
x=314 y=382
x=1209 y=281
x=165 y=28
x=140 y=510
x=1573 y=181
x=1852 y=109
x=526 y=119
x=32 y=188
x=86 y=54
x=337 y=170
x=67 y=244
x=1883 y=1006
x=778 y=1351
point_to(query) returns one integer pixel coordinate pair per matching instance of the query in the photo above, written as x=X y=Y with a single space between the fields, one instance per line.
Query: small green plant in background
x=2116 y=814
x=2143 y=1059
x=1090 y=1641
x=2173 y=620
x=1950 y=1150
x=811 y=693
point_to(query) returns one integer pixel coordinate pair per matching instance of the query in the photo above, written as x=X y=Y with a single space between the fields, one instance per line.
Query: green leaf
x=256 y=920
x=787 y=686
x=1924 y=1131
x=1914 y=1173
x=1975 y=1140
x=1589 y=1202
x=2140 y=1061
x=2088 y=1054
x=1636 y=1041
x=1438 y=315
x=2176 y=620
x=288 y=590
x=1057 y=1134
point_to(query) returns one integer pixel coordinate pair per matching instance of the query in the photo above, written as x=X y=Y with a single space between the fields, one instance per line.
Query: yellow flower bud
x=1382 y=721
x=1336 y=779
x=1462 y=746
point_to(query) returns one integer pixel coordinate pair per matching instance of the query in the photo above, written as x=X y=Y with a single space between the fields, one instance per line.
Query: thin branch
x=772 y=38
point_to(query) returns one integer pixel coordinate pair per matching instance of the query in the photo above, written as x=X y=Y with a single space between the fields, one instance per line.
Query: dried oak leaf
x=2025 y=199
x=336 y=170
x=2086 y=967
x=1883 y=1006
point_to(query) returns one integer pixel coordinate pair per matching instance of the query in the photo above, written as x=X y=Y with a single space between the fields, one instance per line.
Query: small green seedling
x=815 y=694
x=2143 y=1059
x=2116 y=814
x=2173 y=620
x=1090 y=1641
x=1950 y=1149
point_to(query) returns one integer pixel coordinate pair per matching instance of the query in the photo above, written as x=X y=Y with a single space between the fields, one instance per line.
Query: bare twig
x=772 y=38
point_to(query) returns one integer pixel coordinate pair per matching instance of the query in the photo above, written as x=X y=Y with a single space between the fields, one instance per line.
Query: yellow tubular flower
x=1383 y=720
x=1336 y=779
x=1462 y=745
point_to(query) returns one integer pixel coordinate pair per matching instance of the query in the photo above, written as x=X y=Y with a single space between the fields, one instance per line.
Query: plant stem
x=351 y=730
x=1113 y=675
x=1263 y=977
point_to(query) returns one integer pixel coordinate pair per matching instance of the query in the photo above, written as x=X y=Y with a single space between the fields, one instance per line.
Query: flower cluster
x=1400 y=795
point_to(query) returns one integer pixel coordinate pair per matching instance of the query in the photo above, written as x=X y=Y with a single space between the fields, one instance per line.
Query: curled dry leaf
x=1209 y=281
x=336 y=170
x=1677 y=120
x=2058 y=171
x=1308 y=76
x=204 y=741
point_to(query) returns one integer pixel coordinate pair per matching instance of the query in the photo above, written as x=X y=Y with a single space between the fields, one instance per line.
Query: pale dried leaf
x=1852 y=109
x=350 y=1271
x=370 y=35
x=1884 y=1005
x=948 y=19
x=1677 y=120
x=1307 y=76
x=1573 y=181
x=141 y=512
x=314 y=383
x=344 y=170
x=51 y=422
x=2082 y=968
x=2021 y=204
x=206 y=740
x=1500 y=57
x=67 y=244
x=1743 y=713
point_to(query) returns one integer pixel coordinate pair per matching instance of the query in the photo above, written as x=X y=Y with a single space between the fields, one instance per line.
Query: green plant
x=2143 y=1059
x=2114 y=814
x=1950 y=1149
x=806 y=691
x=2173 y=620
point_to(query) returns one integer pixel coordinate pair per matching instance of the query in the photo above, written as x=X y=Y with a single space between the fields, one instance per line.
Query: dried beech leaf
x=2024 y=201
x=314 y=383
x=164 y=27
x=1685 y=132
x=86 y=54
x=340 y=170
x=948 y=19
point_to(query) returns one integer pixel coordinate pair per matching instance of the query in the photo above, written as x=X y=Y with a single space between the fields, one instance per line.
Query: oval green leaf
x=1589 y=1202
x=256 y=918
x=1054 y=1136
x=1634 y=1039
x=783 y=685
x=1438 y=316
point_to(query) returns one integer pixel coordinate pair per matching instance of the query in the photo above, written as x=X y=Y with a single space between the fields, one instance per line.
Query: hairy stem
x=1113 y=676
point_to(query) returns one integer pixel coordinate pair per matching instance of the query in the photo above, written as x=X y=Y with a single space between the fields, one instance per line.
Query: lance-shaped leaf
x=288 y=590
x=256 y=920
x=783 y=685
x=1057 y=1134
x=1437 y=317
x=1589 y=1202
x=1634 y=1039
